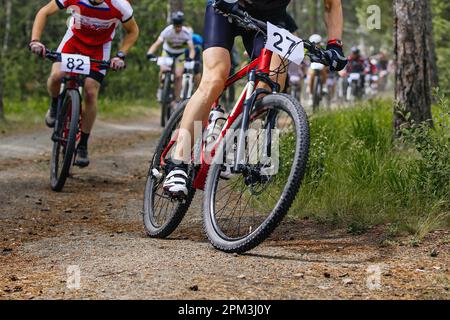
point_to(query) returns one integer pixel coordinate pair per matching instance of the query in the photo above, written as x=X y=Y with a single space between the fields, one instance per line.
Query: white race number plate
x=75 y=63
x=285 y=44
x=165 y=61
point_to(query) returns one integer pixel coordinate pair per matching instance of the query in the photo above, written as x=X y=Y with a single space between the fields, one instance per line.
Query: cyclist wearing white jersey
x=175 y=39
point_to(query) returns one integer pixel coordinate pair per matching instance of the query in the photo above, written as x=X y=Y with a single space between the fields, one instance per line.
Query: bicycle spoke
x=242 y=205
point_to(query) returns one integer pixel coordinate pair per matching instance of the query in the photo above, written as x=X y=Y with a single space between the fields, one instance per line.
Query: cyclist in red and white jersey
x=90 y=33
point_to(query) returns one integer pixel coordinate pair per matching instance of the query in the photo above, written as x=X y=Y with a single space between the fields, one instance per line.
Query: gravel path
x=94 y=229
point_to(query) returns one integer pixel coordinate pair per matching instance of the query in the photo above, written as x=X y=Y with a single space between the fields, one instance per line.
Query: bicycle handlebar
x=56 y=57
x=245 y=20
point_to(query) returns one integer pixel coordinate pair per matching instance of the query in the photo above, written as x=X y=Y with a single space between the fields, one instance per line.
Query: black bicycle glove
x=336 y=57
x=151 y=56
x=226 y=6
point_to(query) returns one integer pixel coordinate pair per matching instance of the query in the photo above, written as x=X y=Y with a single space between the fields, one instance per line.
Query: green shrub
x=358 y=178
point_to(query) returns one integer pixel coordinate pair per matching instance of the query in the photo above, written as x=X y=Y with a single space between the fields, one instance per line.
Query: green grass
x=357 y=177
x=29 y=113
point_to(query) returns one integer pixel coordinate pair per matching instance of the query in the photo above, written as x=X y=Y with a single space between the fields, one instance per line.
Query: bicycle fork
x=249 y=101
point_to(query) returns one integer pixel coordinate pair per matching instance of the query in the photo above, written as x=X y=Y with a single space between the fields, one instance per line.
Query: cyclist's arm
x=191 y=49
x=132 y=34
x=334 y=18
x=41 y=19
x=155 y=45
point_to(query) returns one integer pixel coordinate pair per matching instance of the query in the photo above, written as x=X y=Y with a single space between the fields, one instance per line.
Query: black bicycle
x=67 y=128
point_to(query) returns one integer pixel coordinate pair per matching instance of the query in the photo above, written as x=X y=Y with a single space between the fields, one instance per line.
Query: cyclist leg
x=312 y=77
x=91 y=89
x=219 y=36
x=67 y=45
x=54 y=80
x=216 y=67
x=179 y=69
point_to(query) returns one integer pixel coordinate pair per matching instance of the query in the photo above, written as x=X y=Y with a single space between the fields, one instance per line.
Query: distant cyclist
x=90 y=33
x=357 y=64
x=316 y=68
x=175 y=38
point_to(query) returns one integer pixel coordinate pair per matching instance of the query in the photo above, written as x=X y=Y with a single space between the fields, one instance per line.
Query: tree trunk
x=412 y=57
x=4 y=49
x=434 y=74
x=174 y=5
x=2 y=112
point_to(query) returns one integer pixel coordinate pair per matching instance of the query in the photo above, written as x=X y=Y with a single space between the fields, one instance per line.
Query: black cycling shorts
x=97 y=76
x=219 y=32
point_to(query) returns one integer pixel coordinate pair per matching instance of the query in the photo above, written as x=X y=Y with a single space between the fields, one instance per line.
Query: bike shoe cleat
x=82 y=157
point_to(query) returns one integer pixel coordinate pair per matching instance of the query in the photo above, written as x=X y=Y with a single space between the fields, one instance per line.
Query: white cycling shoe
x=175 y=183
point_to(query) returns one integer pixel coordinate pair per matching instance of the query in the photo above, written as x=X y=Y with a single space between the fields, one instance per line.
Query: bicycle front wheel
x=243 y=208
x=64 y=139
x=162 y=214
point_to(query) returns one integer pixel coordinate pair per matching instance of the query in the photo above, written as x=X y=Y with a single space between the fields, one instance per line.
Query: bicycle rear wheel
x=162 y=214
x=242 y=211
x=165 y=100
x=64 y=139
x=317 y=93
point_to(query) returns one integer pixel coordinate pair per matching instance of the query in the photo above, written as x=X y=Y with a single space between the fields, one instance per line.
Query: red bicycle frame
x=72 y=82
x=259 y=65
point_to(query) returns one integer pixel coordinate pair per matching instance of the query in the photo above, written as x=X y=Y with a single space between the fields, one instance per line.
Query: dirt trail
x=95 y=225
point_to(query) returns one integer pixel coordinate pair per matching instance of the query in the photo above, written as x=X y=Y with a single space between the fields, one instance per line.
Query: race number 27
x=285 y=44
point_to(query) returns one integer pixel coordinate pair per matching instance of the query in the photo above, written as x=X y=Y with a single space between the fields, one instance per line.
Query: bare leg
x=217 y=64
x=281 y=77
x=312 y=76
x=178 y=82
x=91 y=89
x=54 y=80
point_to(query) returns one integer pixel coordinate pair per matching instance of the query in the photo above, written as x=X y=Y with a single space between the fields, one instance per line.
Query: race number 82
x=75 y=63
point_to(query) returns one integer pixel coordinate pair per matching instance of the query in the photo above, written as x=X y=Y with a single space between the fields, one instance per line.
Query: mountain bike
x=296 y=85
x=187 y=87
x=356 y=86
x=67 y=128
x=317 y=86
x=166 y=92
x=263 y=146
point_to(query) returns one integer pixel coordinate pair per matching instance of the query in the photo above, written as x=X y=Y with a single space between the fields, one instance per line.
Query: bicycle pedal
x=156 y=174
